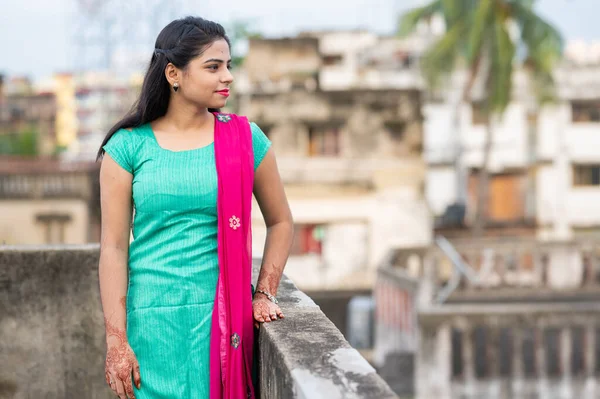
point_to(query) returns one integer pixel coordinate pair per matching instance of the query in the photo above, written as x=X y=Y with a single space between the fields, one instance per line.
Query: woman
x=178 y=303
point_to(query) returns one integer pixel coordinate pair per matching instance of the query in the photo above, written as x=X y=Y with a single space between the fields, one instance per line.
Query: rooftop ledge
x=52 y=332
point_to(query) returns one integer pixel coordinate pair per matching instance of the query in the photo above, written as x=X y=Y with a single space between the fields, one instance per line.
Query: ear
x=172 y=73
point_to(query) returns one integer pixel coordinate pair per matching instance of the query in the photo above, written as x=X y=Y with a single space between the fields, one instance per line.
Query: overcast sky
x=37 y=36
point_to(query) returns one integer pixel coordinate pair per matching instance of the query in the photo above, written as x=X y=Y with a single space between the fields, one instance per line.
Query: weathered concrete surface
x=52 y=335
x=51 y=323
x=305 y=356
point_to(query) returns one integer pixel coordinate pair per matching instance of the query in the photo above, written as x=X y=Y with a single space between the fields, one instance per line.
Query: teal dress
x=173 y=261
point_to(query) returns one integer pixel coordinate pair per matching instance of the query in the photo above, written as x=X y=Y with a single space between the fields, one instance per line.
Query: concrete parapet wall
x=52 y=335
x=306 y=356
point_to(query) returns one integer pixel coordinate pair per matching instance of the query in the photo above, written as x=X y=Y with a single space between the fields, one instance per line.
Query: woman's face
x=207 y=78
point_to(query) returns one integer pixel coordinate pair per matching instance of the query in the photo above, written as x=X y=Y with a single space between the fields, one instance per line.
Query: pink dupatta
x=232 y=330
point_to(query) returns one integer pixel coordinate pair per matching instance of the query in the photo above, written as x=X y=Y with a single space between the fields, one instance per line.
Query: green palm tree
x=489 y=39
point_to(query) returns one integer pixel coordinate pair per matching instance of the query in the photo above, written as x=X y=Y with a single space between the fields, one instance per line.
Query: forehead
x=218 y=49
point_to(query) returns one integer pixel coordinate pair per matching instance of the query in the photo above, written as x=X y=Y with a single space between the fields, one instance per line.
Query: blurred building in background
x=99 y=100
x=348 y=146
x=544 y=163
x=490 y=318
x=27 y=117
x=373 y=163
x=50 y=182
x=46 y=201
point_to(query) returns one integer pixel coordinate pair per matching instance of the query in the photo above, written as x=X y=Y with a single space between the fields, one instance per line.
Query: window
x=54 y=226
x=323 y=141
x=585 y=111
x=334 y=59
x=404 y=58
x=308 y=239
x=586 y=175
x=507 y=193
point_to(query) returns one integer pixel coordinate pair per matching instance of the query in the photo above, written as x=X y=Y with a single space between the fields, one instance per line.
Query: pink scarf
x=232 y=331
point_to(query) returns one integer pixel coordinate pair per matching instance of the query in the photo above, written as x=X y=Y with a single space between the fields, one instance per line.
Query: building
x=348 y=149
x=45 y=201
x=544 y=168
x=24 y=110
x=491 y=318
x=98 y=100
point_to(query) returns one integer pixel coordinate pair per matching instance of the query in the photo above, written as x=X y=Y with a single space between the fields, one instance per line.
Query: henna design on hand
x=120 y=359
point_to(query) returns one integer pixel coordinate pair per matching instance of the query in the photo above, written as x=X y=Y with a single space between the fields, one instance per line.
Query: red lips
x=224 y=92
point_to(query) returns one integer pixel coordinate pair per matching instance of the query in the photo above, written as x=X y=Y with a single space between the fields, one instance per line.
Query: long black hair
x=178 y=43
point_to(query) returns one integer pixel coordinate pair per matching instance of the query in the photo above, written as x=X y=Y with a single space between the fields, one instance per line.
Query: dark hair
x=178 y=43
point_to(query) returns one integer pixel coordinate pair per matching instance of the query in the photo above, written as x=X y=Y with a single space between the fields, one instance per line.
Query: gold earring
x=175 y=86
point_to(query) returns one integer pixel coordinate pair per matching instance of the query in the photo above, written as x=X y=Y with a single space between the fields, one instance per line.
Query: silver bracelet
x=268 y=295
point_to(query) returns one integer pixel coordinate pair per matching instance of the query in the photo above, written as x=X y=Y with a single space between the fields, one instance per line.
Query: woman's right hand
x=121 y=364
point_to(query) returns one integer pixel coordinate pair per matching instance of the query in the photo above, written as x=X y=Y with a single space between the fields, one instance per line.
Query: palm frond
x=408 y=21
x=501 y=64
x=543 y=45
x=481 y=19
x=455 y=10
x=440 y=59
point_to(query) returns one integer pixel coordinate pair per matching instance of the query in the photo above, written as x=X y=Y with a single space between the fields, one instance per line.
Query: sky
x=37 y=37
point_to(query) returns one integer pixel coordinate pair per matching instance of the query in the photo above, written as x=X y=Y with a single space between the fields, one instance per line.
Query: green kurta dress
x=173 y=261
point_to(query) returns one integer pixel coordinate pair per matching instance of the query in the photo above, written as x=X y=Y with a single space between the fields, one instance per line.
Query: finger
x=112 y=383
x=273 y=316
x=267 y=317
x=120 y=389
x=256 y=324
x=137 y=377
x=112 y=386
x=258 y=317
x=280 y=314
x=129 y=387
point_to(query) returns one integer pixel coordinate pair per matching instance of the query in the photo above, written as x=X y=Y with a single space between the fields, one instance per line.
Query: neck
x=187 y=117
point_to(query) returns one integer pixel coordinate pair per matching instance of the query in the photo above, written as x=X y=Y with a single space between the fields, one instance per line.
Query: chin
x=218 y=104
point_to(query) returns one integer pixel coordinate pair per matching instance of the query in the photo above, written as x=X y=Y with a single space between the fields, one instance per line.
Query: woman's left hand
x=264 y=310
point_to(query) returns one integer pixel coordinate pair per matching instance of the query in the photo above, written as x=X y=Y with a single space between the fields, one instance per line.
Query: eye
x=213 y=67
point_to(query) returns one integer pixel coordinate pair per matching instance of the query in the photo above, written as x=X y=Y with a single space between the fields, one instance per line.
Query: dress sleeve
x=119 y=147
x=260 y=144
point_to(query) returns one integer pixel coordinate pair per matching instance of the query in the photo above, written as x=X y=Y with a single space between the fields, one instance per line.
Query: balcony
x=492 y=319
x=35 y=179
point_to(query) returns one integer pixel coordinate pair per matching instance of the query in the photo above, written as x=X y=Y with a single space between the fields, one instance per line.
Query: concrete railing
x=517 y=269
x=526 y=350
x=47 y=180
x=52 y=335
x=532 y=334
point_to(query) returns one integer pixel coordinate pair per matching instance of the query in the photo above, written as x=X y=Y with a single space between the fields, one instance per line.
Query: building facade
x=45 y=201
x=348 y=149
x=544 y=168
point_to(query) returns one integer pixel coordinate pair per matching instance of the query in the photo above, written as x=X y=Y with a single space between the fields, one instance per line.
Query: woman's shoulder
x=131 y=134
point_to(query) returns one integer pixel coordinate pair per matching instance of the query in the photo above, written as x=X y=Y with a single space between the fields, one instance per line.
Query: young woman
x=179 y=306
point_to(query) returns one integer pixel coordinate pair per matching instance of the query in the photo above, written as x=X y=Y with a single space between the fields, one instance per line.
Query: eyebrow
x=215 y=60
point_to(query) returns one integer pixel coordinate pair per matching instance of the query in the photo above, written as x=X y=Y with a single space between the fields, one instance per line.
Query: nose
x=227 y=77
